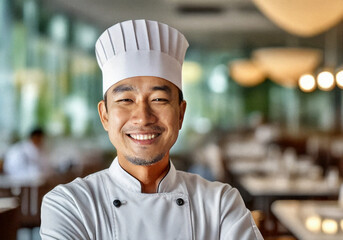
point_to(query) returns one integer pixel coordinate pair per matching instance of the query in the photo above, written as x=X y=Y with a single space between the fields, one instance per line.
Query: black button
x=117 y=203
x=180 y=201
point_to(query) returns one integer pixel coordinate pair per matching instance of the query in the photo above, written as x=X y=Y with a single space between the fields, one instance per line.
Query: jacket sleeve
x=60 y=217
x=236 y=222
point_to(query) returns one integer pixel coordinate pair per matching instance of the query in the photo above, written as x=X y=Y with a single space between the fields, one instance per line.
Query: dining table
x=311 y=219
x=263 y=190
x=25 y=187
x=283 y=186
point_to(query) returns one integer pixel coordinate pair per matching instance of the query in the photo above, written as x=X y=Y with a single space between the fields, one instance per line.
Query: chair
x=9 y=218
x=31 y=200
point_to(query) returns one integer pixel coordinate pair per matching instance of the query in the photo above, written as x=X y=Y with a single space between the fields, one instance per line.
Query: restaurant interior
x=263 y=81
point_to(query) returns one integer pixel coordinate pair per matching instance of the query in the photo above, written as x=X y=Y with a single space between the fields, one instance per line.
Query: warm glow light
x=191 y=72
x=329 y=226
x=304 y=17
x=339 y=79
x=313 y=223
x=246 y=72
x=326 y=81
x=307 y=83
x=32 y=76
x=285 y=65
x=341 y=225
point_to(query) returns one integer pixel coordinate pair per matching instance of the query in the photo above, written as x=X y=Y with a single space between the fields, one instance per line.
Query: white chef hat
x=140 y=48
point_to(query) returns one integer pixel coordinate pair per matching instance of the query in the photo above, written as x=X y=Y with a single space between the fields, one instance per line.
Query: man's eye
x=125 y=100
x=160 y=100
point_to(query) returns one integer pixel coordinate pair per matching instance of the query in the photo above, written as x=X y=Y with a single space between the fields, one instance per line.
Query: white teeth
x=143 y=136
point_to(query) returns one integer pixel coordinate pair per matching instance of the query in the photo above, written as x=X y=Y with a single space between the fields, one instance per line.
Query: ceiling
x=215 y=23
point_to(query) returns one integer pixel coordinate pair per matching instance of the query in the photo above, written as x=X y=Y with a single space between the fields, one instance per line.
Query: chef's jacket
x=110 y=205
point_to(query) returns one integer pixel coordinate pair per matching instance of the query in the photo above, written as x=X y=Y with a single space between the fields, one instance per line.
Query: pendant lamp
x=302 y=17
x=285 y=65
x=246 y=72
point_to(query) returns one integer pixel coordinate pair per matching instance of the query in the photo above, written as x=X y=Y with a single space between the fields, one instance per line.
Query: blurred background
x=262 y=78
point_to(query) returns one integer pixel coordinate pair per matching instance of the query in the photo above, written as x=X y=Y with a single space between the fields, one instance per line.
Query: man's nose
x=143 y=114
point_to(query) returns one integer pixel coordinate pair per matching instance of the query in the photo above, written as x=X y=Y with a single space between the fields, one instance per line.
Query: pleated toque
x=140 y=48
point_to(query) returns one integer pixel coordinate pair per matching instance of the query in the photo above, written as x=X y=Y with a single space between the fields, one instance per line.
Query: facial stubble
x=144 y=162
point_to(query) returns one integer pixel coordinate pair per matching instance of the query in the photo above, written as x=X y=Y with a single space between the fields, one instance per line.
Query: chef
x=141 y=195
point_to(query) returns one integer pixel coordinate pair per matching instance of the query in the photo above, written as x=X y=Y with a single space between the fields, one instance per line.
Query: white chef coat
x=24 y=159
x=185 y=206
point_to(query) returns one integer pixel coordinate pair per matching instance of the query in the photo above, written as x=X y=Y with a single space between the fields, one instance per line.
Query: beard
x=144 y=162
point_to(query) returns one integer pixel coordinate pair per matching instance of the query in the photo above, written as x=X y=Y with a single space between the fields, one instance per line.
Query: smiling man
x=142 y=195
x=143 y=116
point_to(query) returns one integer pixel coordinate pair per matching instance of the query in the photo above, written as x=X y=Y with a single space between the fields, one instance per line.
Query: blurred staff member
x=142 y=195
x=26 y=158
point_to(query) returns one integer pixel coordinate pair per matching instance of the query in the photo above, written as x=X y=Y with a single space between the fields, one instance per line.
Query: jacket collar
x=129 y=182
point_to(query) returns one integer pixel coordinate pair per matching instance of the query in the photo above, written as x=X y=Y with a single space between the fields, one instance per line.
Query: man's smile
x=143 y=136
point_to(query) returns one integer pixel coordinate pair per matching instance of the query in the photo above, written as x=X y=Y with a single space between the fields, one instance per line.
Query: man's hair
x=37 y=132
x=180 y=98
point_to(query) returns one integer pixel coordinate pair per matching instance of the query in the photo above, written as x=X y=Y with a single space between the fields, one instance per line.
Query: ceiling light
x=246 y=73
x=313 y=223
x=325 y=80
x=305 y=17
x=307 y=83
x=339 y=78
x=285 y=65
x=329 y=226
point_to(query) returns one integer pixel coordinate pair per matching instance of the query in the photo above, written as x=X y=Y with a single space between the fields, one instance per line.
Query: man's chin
x=140 y=161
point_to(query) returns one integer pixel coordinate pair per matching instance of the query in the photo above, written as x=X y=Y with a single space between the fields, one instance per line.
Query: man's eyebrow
x=162 y=88
x=122 y=88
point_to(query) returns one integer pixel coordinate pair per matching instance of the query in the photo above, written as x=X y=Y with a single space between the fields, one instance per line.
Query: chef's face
x=143 y=118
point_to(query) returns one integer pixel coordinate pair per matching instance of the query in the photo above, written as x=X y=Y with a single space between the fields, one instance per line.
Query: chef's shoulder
x=81 y=188
x=68 y=211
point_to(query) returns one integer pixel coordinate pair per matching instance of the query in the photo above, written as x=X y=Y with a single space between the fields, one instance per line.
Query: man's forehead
x=144 y=83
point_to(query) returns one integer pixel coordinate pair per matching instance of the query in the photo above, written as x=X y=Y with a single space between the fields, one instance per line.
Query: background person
x=27 y=158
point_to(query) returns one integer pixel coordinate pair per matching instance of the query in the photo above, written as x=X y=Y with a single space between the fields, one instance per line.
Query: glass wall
x=49 y=77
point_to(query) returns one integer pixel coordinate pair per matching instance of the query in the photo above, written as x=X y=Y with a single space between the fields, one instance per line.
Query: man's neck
x=148 y=176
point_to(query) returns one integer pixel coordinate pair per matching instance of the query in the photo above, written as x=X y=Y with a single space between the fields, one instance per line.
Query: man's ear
x=103 y=114
x=183 y=105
